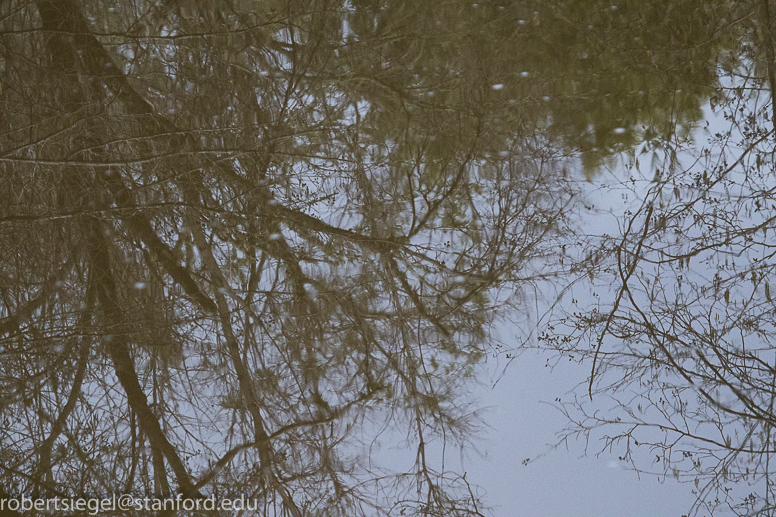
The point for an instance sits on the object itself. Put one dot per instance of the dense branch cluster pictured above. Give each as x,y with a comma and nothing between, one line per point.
224,271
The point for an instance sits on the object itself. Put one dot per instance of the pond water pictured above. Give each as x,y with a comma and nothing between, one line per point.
290,250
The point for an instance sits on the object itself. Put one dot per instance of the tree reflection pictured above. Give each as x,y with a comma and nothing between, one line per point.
682,348
241,240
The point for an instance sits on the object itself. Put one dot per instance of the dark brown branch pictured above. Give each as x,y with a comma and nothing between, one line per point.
44,467
117,348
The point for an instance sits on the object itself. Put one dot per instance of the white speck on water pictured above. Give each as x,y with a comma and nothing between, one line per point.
511,101
524,74
503,154
521,22
430,94
619,130
275,237
498,86
140,285
475,5
590,27
432,138
614,8
546,98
